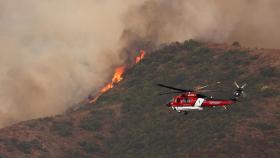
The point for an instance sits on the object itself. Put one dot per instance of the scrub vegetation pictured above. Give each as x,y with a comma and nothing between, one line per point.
132,121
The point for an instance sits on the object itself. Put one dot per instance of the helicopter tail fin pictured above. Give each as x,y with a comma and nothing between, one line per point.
239,91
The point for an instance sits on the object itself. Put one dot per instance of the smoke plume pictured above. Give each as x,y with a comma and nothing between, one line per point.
54,53
251,22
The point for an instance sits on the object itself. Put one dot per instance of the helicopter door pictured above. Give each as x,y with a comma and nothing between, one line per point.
199,102
184,101
178,101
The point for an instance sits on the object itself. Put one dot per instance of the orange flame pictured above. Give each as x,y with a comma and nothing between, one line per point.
116,79
119,72
140,57
118,76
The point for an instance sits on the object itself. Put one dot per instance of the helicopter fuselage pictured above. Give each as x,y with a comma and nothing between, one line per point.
192,101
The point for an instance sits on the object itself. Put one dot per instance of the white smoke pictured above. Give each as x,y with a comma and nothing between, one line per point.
53,53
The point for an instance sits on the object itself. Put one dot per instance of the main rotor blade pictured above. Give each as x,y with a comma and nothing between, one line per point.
200,87
235,83
177,89
168,93
205,91
197,88
244,85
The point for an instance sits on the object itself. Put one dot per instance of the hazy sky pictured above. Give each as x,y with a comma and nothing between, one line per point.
55,52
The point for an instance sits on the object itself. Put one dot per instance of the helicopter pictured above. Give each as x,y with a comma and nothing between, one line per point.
194,100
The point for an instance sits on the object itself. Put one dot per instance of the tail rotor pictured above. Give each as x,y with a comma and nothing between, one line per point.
239,91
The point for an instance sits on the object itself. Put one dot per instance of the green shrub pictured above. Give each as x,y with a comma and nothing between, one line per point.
90,124
64,129
236,44
277,115
23,146
75,154
270,93
264,126
96,118
191,44
236,58
89,147
269,72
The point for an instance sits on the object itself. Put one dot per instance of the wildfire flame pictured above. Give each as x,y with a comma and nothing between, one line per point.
140,57
119,71
116,79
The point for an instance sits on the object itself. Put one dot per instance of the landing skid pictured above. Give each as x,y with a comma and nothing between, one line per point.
185,112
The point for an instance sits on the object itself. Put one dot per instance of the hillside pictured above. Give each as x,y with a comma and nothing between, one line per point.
132,121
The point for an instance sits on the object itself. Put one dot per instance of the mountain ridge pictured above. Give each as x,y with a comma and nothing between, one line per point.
131,120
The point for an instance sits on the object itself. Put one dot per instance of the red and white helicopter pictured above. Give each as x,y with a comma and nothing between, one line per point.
192,99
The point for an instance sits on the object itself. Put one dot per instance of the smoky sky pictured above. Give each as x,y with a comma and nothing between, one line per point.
253,23
54,53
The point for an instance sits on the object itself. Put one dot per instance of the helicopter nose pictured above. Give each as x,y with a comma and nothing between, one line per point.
168,104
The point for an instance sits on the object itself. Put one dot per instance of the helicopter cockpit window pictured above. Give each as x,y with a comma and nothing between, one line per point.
184,100
178,100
